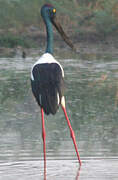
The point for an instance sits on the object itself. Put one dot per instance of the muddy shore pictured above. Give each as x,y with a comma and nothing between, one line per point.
84,43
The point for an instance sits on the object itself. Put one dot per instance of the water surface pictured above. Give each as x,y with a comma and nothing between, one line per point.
92,105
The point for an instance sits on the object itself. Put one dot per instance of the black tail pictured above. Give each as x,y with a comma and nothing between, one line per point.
47,86
49,100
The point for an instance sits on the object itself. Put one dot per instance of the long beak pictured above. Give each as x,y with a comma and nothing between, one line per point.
63,34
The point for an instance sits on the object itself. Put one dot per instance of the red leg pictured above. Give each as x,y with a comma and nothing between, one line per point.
72,133
43,136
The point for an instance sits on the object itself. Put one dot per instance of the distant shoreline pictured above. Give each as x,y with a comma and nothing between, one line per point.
88,41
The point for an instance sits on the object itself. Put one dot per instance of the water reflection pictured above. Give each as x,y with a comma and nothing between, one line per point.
92,98
78,173
77,177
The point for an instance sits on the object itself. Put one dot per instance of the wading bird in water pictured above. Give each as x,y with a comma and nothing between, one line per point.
47,76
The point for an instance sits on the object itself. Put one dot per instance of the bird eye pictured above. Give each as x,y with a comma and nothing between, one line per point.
54,10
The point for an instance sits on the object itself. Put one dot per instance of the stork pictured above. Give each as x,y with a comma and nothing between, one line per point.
47,76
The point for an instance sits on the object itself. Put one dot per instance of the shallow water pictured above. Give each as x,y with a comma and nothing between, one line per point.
92,105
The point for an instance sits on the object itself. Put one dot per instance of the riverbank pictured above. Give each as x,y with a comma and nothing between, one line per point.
33,43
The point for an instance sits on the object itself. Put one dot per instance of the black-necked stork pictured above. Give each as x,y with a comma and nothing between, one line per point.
47,76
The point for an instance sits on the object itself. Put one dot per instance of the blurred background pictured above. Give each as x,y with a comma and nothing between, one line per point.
83,20
91,78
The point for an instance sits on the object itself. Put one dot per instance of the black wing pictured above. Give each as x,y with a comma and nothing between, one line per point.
48,86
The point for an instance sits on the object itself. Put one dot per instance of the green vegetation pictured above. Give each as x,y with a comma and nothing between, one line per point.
11,41
18,17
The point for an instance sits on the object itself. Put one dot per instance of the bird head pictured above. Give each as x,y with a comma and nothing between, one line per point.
49,12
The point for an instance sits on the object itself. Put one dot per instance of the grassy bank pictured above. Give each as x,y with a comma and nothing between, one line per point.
21,23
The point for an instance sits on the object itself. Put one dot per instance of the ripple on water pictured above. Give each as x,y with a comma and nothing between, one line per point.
92,168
